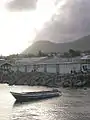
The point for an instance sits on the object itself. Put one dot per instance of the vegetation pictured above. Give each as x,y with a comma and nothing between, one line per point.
40,53
81,44
71,53
74,53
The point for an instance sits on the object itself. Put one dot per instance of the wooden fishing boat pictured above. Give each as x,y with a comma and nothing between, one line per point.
27,96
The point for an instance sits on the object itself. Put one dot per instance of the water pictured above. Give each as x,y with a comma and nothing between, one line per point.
6,103
72,105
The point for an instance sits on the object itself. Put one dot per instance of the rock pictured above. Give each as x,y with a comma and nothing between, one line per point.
45,79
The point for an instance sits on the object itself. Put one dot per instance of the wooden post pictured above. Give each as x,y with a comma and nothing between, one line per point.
57,68
45,67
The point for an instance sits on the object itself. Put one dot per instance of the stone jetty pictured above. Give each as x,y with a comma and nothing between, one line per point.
46,79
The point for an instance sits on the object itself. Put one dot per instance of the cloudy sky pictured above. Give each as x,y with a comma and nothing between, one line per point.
20,21
24,21
72,21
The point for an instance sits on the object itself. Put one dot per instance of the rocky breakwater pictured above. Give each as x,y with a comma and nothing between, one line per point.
37,78
46,79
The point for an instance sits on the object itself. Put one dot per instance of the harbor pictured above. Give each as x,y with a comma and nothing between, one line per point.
46,72
74,104
44,60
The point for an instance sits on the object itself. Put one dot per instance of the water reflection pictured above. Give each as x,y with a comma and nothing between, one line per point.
6,102
17,103
72,105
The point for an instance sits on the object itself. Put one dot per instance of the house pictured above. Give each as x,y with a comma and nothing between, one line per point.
5,65
85,60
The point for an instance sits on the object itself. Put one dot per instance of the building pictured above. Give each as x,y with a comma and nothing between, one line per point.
5,65
85,61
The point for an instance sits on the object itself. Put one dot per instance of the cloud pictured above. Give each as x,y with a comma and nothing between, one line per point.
71,22
21,5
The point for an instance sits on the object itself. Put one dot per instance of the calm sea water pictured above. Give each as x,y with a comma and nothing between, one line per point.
72,105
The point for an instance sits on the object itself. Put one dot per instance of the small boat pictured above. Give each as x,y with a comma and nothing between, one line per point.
27,96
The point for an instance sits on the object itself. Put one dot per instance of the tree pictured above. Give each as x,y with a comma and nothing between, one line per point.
71,52
40,53
77,53
74,53
66,54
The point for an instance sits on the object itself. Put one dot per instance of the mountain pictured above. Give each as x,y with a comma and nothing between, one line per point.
47,46
71,21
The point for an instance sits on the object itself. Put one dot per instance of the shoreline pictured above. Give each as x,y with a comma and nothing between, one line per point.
46,79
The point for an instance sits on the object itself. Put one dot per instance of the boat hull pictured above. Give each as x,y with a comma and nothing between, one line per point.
24,97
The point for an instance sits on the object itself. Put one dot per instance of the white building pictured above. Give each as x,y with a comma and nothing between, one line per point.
85,60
